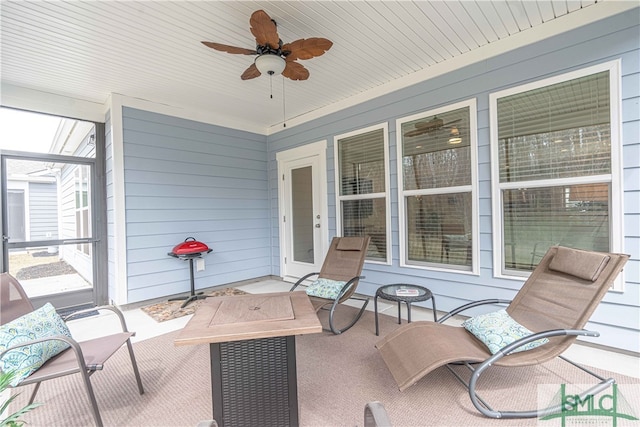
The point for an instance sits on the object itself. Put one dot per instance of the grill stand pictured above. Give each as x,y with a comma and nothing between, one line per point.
193,296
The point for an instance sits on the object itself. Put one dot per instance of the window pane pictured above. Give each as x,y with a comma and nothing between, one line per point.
576,216
302,212
367,218
78,191
439,229
85,186
436,151
558,131
361,160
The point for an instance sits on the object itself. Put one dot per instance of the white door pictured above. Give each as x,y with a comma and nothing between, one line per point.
303,210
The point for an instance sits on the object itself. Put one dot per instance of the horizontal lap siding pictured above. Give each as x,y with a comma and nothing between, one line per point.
43,211
189,179
613,38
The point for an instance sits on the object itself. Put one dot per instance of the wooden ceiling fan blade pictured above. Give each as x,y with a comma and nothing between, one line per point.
415,132
264,29
295,71
430,125
306,48
229,49
452,122
250,73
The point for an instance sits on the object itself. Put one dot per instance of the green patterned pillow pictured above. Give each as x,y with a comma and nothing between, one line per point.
498,329
41,323
325,288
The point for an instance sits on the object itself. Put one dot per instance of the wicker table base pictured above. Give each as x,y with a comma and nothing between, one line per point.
253,382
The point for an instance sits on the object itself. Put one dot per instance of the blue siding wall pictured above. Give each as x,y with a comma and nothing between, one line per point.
618,318
43,211
189,179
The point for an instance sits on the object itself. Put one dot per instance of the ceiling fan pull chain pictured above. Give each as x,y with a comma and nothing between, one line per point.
271,85
284,115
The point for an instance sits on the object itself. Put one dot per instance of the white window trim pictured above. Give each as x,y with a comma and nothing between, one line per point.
615,178
336,167
475,233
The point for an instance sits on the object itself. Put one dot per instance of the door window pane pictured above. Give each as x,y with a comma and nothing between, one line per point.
302,212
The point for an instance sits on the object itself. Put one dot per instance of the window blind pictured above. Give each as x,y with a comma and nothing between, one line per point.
361,163
558,131
576,216
577,103
552,133
439,229
361,173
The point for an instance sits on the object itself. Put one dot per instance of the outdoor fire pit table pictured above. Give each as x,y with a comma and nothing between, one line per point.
253,355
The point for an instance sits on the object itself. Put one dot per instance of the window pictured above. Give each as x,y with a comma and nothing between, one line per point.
362,188
437,187
557,178
83,225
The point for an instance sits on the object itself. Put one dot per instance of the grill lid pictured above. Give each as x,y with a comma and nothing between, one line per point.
190,246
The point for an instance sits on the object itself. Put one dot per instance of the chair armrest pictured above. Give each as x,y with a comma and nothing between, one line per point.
302,279
544,334
74,345
111,308
472,304
347,286
64,338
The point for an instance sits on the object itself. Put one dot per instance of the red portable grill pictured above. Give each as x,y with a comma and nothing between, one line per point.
190,246
190,249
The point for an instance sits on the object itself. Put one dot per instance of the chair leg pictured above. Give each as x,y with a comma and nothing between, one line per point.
135,366
92,398
33,393
358,316
488,411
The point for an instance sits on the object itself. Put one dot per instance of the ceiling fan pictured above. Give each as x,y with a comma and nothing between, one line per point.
433,125
274,57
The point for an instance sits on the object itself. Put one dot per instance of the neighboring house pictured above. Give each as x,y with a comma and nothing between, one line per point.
49,201
32,201
169,177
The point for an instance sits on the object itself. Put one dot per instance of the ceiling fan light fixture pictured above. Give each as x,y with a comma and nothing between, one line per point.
270,64
454,136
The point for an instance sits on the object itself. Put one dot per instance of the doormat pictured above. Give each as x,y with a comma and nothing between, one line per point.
64,312
171,309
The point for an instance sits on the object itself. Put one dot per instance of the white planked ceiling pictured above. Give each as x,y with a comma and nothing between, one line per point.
151,50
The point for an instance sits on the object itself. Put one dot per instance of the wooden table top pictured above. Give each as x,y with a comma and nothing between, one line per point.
253,316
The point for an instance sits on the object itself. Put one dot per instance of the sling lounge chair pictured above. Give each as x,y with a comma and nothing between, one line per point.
338,278
554,303
84,358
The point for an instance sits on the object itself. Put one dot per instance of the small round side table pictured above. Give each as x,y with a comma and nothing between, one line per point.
403,293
